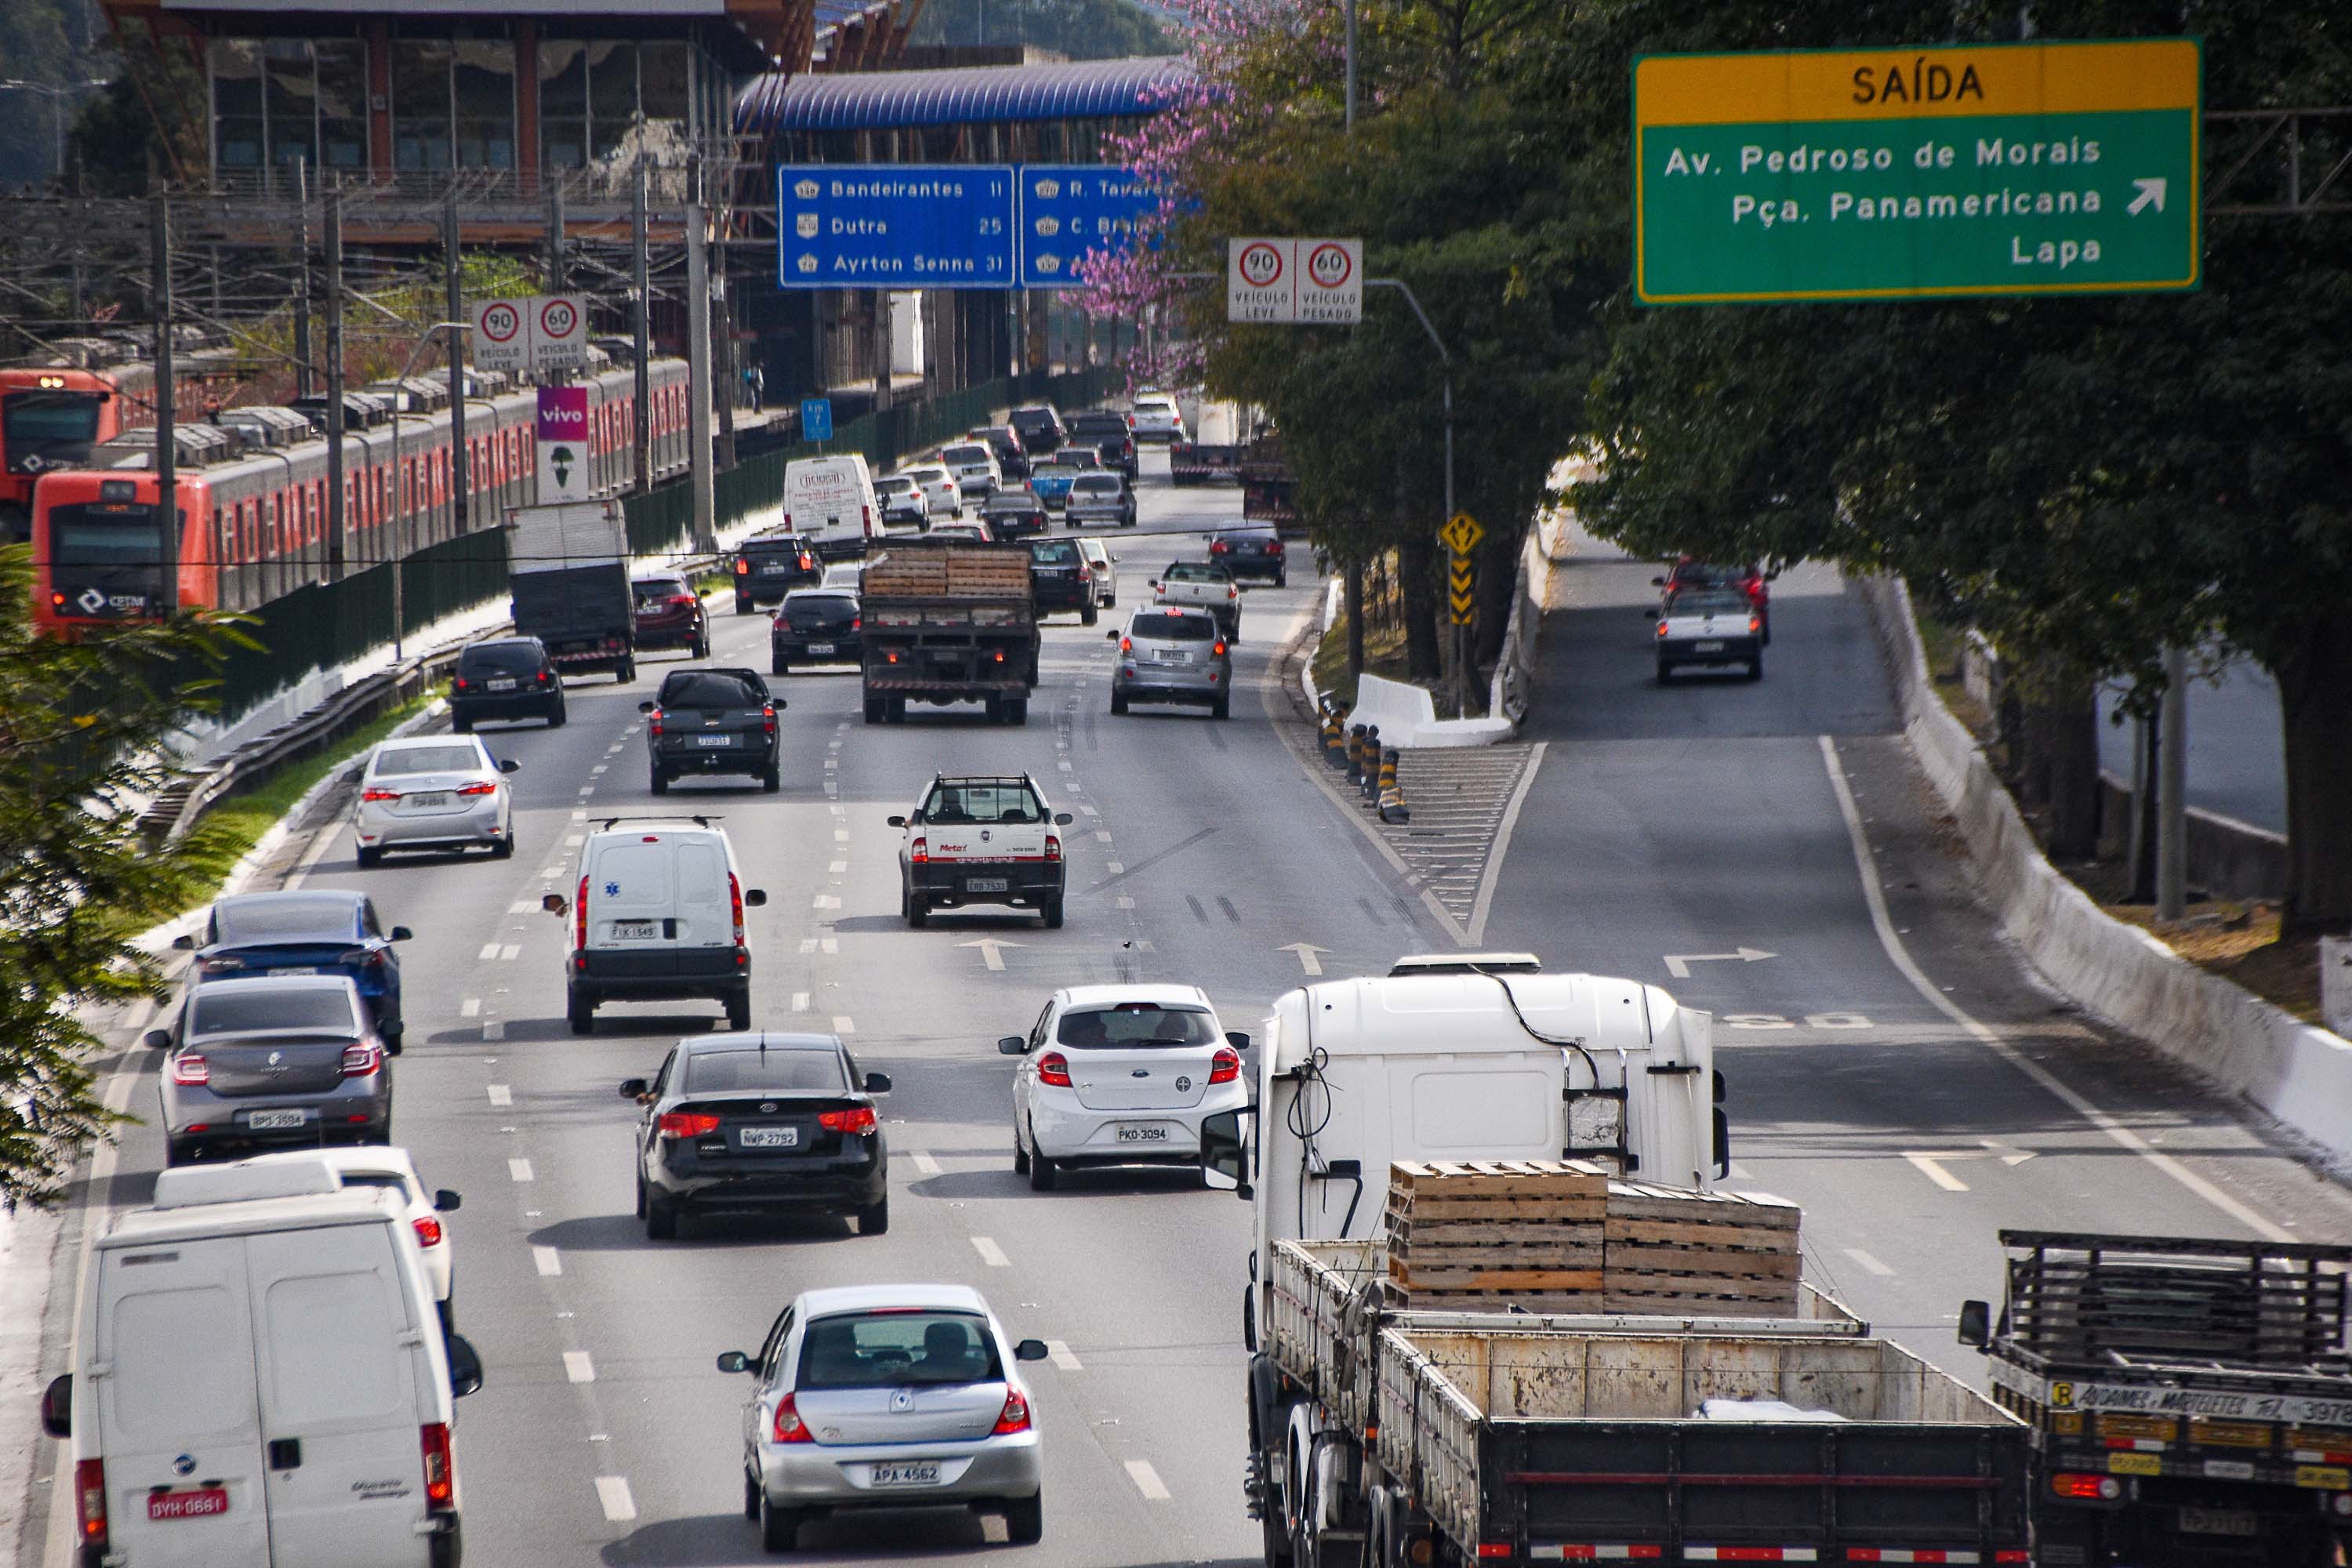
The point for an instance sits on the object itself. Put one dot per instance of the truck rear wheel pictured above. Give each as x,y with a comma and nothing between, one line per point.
658,781
624,672
873,710
1016,709
895,709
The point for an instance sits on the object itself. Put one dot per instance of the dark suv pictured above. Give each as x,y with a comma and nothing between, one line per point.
670,615
1112,438
712,721
816,626
505,678
1011,462
1060,578
1039,426
768,566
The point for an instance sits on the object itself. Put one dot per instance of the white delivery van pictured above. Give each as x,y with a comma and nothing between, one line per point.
831,501
657,917
260,1380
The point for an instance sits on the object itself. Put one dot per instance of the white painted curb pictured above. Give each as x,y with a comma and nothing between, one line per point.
2299,1074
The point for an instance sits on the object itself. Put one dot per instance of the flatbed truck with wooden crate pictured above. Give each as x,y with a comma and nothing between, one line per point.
2191,1401
1444,1368
949,622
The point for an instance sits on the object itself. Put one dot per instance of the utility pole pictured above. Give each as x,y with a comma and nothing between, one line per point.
881,349
167,475
555,265
641,305
460,454
1446,364
304,383
1351,65
722,359
334,241
697,361
2172,783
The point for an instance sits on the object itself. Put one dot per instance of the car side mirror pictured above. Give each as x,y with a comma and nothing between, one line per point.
1224,1154
157,1039
644,707
185,942
896,821
1063,819
402,933
1722,1141
780,702
1012,1044
1237,1038
556,904
1151,582
755,897
509,766
633,1088
448,1200
1976,1324
57,1406
464,1367
1657,582
1031,1350
734,1361
877,1083
1112,634
1651,614
702,593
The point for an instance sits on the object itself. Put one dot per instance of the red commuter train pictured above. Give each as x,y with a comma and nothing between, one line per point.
253,520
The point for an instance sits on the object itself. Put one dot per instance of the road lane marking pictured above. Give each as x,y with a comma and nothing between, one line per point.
1309,955
824,902
545,1259
509,952
599,768
1147,1480
470,1008
1929,1163
990,1253
1868,1262
925,1163
808,944
1114,867
830,944
838,867
800,1001
841,1025
523,907
578,1367
488,955
501,1094
494,1030
1126,903
1062,1355
1101,837
991,949
1900,956
1679,963
613,1491
519,1170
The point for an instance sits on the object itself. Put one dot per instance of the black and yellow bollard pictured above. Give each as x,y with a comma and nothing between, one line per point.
1355,754
1371,782
1335,734
1392,805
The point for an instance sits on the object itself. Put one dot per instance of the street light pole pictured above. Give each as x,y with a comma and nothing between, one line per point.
397,549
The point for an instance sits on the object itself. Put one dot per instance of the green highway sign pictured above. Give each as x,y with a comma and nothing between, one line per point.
2058,168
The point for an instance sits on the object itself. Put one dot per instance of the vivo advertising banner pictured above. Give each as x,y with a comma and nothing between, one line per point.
563,445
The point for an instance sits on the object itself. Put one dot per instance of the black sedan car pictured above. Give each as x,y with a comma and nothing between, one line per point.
1251,552
272,1062
315,930
763,1123
1013,513
505,677
816,626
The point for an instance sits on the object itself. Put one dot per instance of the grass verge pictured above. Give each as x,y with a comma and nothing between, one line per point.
1384,655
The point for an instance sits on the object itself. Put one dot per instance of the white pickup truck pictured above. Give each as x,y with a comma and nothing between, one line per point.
982,841
1203,585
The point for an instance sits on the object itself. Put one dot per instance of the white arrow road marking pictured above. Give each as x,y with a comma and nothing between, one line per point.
2151,193
1307,952
2008,1156
991,949
1679,963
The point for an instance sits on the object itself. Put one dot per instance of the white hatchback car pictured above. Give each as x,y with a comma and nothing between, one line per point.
941,491
434,792
379,1166
889,1396
1156,418
1120,1075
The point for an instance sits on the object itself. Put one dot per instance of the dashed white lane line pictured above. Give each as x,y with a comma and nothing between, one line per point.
1114,867
599,768
829,945
1062,1357
519,1170
841,836
488,955
494,1030
990,1253
925,1163
509,952
800,1001
501,1094
613,1491
808,944
841,1025
1088,811
1147,1480
470,1008
824,902
546,1260
578,1367
838,867
1127,903
1869,1263
523,907
1101,837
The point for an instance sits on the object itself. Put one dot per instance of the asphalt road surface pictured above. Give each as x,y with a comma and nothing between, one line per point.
1663,829
2237,759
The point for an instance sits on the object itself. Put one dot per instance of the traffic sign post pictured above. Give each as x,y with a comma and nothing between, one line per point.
2056,168
1284,281
913,225
537,334
816,419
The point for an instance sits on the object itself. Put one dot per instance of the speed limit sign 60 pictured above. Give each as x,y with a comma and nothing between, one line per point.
1331,280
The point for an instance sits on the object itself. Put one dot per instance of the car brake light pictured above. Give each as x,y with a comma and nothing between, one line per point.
481,787
1054,1069
1232,591
1225,1067
362,1060
855,1120
856,623
1755,623
90,1501
866,515
380,795
190,1069
1218,648
440,1480
689,1123
1014,1417
768,719
545,676
654,722
1053,847
741,566
428,1230
788,1427
1274,547
458,684
1662,625
920,851
1219,547
1084,575
735,899
1127,645
2090,1489
808,562
580,918
684,601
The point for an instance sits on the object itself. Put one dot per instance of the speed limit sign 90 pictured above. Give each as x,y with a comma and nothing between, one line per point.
501,335
1319,280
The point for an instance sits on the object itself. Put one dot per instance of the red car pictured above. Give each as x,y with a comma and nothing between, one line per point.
1690,571
670,615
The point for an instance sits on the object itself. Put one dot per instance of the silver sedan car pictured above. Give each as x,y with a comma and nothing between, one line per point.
434,792
1168,654
889,1396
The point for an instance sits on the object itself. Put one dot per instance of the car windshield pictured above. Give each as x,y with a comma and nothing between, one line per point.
1096,484
1011,501
896,1348
958,803
1172,629
242,1012
927,476
271,920
820,599
509,658
1131,1025
895,485
1053,552
790,1071
648,586
965,455
766,549
1197,572
409,760
1709,602
708,689
1060,465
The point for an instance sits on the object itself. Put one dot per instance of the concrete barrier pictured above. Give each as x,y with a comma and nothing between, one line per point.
1407,717
2299,1074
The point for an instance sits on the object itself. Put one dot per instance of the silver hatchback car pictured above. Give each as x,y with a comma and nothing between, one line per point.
889,1396
1168,654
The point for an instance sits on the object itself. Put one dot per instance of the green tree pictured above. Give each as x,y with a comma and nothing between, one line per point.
1082,29
82,728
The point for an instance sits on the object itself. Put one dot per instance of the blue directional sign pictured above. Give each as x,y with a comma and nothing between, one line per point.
1068,209
897,225
816,419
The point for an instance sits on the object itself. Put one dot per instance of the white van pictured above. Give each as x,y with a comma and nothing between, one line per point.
260,1380
831,501
657,916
